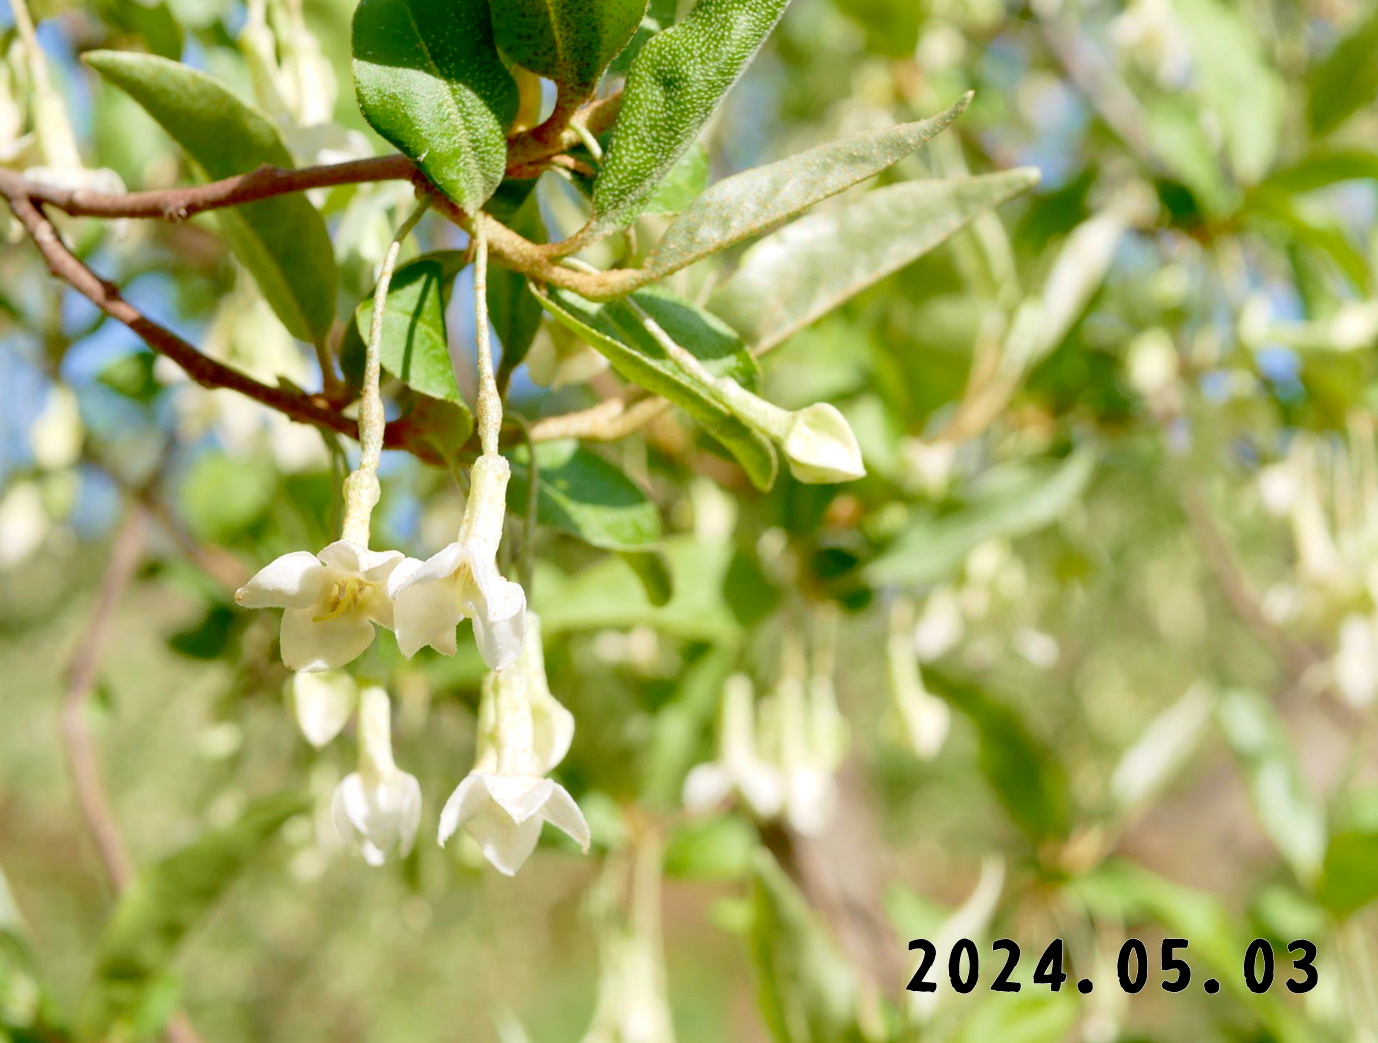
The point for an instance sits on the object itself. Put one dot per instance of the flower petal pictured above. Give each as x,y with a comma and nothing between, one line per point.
466,802
312,644
440,565
552,728
498,609
322,703
349,808
506,844
408,812
425,614
562,812
521,796
292,581
348,556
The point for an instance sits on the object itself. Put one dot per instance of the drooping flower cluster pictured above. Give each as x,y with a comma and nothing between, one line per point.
524,733
779,754
333,601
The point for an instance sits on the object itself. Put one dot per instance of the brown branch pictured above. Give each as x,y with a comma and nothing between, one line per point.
92,801
81,682
178,204
206,371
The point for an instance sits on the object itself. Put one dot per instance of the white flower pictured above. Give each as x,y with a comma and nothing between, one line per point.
322,703
523,733
739,766
820,447
504,814
462,581
332,601
377,807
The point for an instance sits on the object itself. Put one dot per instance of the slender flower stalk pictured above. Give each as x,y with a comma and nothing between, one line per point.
333,600
462,580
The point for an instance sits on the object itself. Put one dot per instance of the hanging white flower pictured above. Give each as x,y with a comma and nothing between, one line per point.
523,733
740,767
378,807
322,703
462,581
331,601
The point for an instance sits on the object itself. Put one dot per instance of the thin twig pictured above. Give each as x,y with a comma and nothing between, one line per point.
92,802
206,371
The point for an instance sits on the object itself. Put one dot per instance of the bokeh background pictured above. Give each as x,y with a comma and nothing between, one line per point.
1121,522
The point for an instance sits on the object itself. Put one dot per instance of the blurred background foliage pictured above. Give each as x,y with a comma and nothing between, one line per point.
1121,524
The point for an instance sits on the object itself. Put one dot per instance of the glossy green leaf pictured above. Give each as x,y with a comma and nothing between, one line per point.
686,179
415,346
569,41
1007,501
1288,812
282,241
443,425
429,79
1349,879
1024,771
675,85
163,904
616,331
584,495
812,266
1346,80
759,199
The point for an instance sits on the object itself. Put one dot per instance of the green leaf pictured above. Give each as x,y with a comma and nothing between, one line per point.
1237,82
1349,879
609,596
686,179
1130,894
806,989
584,495
429,79
719,848
616,331
1288,812
675,85
653,572
569,41
1323,168
1007,501
163,904
1346,80
282,241
513,310
760,199
220,497
415,345
812,266
1024,772
444,426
